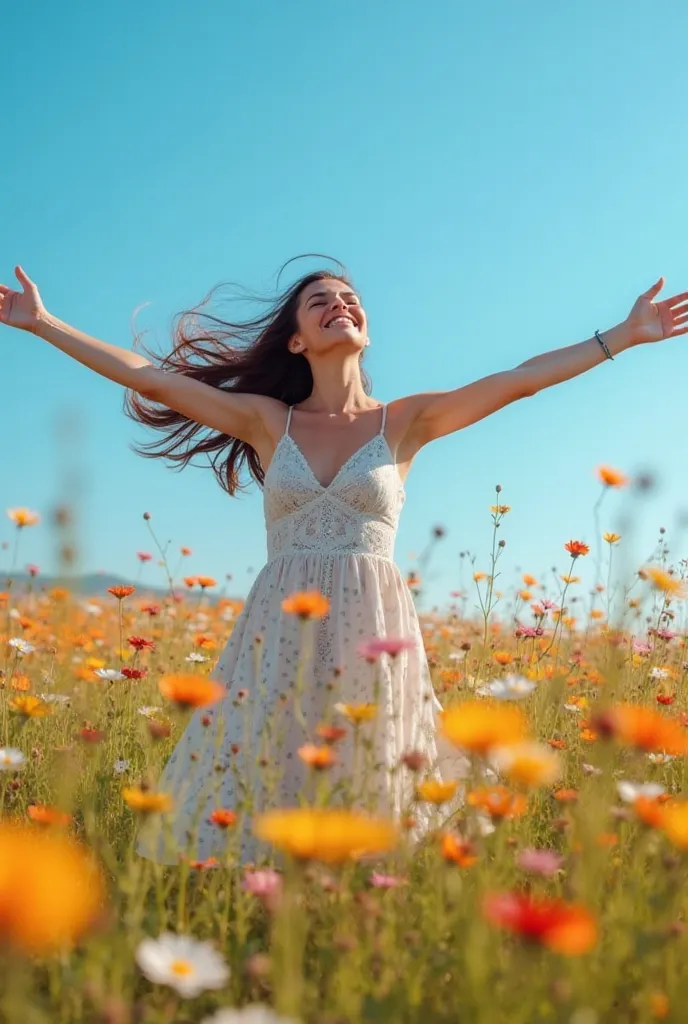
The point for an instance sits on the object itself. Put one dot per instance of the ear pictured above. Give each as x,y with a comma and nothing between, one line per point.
295,345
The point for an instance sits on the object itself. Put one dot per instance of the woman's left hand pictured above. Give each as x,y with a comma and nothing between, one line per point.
654,321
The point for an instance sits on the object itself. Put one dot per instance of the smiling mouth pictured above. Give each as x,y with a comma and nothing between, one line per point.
340,321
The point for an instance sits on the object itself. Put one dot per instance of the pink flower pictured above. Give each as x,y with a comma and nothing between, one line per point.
32,570
372,649
640,648
265,885
539,862
381,881
143,556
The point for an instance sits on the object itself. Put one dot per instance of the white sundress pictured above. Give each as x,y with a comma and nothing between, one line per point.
284,675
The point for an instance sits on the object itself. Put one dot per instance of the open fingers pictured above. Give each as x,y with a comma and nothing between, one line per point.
675,300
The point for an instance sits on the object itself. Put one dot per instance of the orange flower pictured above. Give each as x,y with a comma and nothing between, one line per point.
576,548
525,595
611,477
644,728
566,796
675,823
435,792
566,928
190,581
223,818
317,757
503,657
498,801
611,538
121,592
649,810
43,815
479,725
557,744
146,801
20,683
529,580
51,890
206,581
457,850
185,551
190,690
307,604
478,576
330,733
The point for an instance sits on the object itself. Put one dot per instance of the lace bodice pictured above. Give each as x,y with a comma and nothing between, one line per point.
357,513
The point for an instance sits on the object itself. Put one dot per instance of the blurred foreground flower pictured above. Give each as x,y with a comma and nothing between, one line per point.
186,965
479,725
642,727
331,836
528,764
664,581
256,1013
540,862
51,889
435,792
192,691
498,801
565,928
147,801
611,477
307,604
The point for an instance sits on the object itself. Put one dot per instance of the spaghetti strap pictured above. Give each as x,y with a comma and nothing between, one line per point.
384,419
291,409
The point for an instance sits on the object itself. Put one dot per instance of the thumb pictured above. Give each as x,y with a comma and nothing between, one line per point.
24,279
654,289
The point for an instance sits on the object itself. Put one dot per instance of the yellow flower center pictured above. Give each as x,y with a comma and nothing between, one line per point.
181,967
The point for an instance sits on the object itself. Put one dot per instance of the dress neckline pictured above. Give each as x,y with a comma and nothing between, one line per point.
326,487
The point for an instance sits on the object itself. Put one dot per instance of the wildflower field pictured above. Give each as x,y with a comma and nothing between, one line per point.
555,893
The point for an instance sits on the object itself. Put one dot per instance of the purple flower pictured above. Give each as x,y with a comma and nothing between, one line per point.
539,862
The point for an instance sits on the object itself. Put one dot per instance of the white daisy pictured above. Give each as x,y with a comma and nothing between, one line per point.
510,688
120,767
659,673
10,758
256,1013
111,674
574,708
591,769
196,657
149,711
630,791
54,698
661,758
186,965
21,646
92,609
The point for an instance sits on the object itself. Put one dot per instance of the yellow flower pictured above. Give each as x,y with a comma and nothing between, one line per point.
147,801
675,822
330,836
357,713
29,707
478,576
436,792
571,579
528,764
51,889
23,517
500,510
479,725
611,538
664,581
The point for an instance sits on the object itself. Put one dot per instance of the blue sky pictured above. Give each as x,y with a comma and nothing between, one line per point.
500,178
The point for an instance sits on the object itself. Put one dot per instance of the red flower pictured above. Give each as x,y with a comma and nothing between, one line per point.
666,698
143,556
566,928
134,673
576,548
120,592
151,609
139,643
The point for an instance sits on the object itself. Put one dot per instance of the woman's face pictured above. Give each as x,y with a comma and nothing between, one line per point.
329,315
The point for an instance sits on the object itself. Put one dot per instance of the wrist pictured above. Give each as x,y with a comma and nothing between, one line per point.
41,323
619,338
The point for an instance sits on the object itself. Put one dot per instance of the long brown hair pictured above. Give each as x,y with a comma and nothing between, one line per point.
247,356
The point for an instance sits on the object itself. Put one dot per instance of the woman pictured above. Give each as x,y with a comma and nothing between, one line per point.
288,398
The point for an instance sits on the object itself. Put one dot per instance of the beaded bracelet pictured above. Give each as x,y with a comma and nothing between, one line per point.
605,347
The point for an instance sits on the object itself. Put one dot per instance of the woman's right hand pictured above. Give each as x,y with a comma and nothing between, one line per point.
21,309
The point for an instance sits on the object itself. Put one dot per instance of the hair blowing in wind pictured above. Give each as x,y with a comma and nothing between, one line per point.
244,356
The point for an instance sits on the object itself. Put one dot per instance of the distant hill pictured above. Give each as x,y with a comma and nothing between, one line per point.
95,584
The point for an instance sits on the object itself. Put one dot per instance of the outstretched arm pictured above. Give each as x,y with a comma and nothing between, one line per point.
443,412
